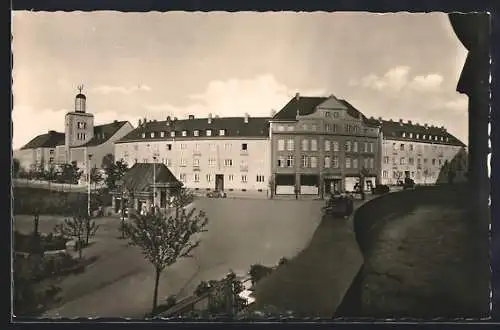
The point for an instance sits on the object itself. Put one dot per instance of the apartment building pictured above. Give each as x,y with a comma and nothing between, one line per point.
230,154
420,152
322,144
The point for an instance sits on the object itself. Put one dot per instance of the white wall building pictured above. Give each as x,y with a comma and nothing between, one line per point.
230,154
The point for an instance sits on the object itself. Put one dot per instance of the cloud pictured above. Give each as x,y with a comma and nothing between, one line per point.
42,120
398,79
106,89
234,97
458,104
430,82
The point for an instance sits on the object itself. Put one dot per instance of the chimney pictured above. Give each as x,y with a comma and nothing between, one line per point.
401,121
246,118
425,125
210,118
191,117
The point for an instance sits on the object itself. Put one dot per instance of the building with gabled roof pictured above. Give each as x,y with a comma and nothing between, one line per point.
320,145
212,153
80,139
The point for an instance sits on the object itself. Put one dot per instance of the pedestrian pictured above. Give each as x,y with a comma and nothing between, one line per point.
296,193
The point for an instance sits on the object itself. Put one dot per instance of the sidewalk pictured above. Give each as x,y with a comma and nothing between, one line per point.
314,283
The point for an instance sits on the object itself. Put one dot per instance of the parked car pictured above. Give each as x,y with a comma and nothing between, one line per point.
408,184
216,194
339,206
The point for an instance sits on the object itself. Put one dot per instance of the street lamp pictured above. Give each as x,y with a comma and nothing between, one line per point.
154,183
88,183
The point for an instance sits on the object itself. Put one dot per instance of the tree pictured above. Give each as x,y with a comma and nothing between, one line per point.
115,172
16,166
425,174
75,227
50,174
257,272
165,238
271,186
108,160
95,177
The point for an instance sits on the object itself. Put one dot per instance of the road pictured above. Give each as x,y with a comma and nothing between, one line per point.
240,233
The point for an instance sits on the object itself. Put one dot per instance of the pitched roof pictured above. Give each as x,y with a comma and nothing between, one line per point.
139,177
47,140
306,106
103,133
395,129
353,112
232,126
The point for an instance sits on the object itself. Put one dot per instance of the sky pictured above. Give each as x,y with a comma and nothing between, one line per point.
135,65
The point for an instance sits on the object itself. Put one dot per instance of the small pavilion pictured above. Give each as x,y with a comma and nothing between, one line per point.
134,193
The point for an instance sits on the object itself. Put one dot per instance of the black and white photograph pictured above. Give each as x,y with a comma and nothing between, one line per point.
250,165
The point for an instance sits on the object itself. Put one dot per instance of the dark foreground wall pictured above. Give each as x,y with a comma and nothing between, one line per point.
425,256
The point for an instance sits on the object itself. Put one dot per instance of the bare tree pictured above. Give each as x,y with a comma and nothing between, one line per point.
165,238
74,227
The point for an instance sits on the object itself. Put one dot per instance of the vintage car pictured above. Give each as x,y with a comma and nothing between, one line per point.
216,194
408,184
339,206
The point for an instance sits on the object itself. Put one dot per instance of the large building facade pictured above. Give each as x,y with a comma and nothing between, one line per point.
230,154
421,152
323,144
80,140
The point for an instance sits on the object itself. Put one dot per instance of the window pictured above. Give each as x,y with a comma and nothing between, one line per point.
433,161
182,177
244,146
183,162
281,145
419,161
335,162
143,135
394,147
281,162
289,161
211,161
196,177
196,162
230,177
366,147
212,146
354,163
411,161
394,161
371,147
162,134
355,146
385,174
196,132
314,162
328,127
335,114
348,163
305,127
348,146
403,134
183,146
169,146
402,147
402,161
411,147
417,136
260,178
222,132
327,114
51,151
435,138
227,146
314,145
335,146
290,145
328,162
327,145
208,177
386,160
244,178
425,160
172,134
184,133
209,132
440,162
305,145
366,162
51,159
305,161
372,163
314,127
243,165
228,162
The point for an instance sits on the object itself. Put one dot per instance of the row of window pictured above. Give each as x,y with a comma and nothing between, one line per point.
332,128
208,132
312,145
81,136
211,146
411,161
428,137
196,162
328,162
183,177
81,125
399,175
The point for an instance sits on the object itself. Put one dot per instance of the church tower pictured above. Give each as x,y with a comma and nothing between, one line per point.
79,125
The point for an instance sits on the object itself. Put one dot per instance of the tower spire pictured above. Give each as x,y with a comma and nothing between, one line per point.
80,88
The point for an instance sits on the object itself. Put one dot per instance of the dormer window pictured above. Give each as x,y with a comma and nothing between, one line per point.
327,114
430,137
442,138
418,136
184,133
411,135
172,134
423,137
447,139
196,133
152,134
222,132
209,132
403,134
435,138
143,135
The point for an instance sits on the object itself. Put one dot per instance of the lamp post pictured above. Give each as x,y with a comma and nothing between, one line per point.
88,183
154,183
